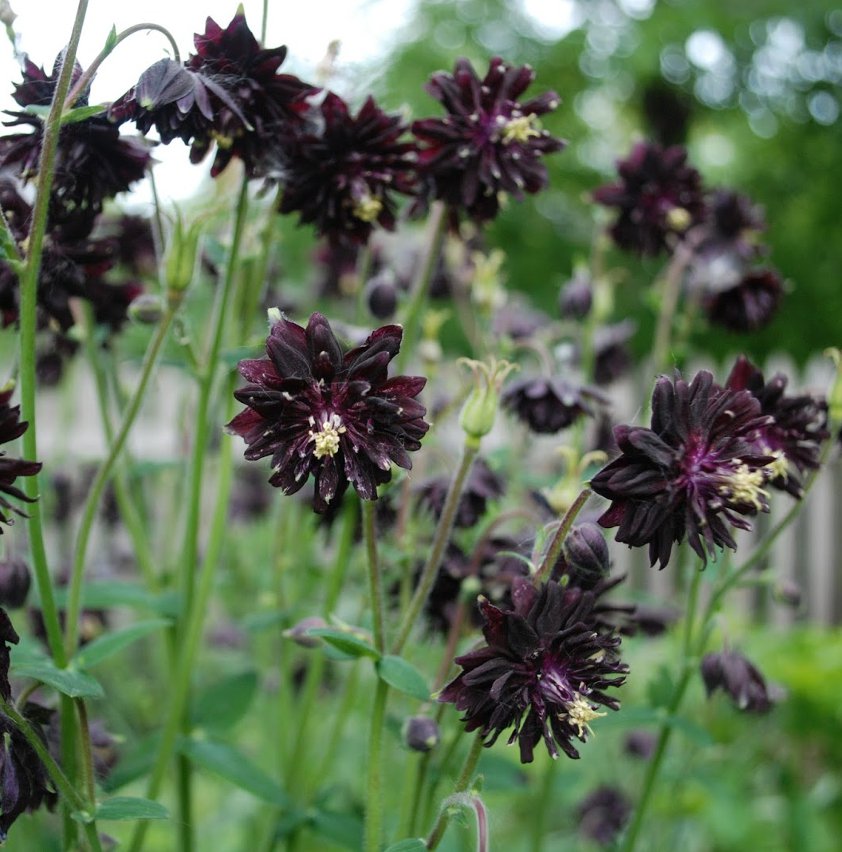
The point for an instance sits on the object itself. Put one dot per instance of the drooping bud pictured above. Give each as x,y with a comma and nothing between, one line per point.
576,296
733,673
480,409
146,309
421,733
15,581
381,295
586,552
299,633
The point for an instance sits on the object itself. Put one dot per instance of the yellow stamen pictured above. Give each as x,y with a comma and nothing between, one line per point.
520,129
327,439
368,209
744,485
580,713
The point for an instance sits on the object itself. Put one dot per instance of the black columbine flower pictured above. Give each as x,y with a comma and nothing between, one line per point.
318,410
749,304
603,814
93,162
549,403
731,672
489,142
658,198
799,427
482,485
543,671
228,92
11,427
342,177
696,470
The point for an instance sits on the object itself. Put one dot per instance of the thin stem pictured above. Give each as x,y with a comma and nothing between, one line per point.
84,80
554,550
421,284
375,581
539,822
74,597
669,304
653,769
461,785
87,763
374,796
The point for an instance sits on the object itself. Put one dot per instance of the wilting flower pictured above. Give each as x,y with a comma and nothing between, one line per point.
228,92
603,814
549,403
482,485
342,177
799,425
543,671
489,142
318,410
12,427
658,197
93,161
696,470
734,674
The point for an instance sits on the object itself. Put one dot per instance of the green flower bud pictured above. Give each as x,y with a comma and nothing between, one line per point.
181,256
146,309
480,409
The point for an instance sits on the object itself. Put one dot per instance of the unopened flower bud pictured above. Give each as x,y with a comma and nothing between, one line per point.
787,592
734,674
480,409
586,553
381,295
576,297
421,733
15,581
147,309
299,633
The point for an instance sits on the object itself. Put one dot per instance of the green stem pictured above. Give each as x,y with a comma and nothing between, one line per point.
461,785
202,424
182,677
74,597
421,284
554,550
539,822
374,796
653,769
84,81
669,304
375,581
440,540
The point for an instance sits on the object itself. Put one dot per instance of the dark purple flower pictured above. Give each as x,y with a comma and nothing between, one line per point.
15,580
586,555
11,427
228,92
421,733
549,403
342,177
482,485
543,671
696,470
576,297
488,143
658,198
799,427
318,410
603,814
612,356
640,743
749,304
93,161
731,672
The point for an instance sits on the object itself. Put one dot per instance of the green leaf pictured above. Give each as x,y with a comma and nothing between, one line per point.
222,704
111,41
112,643
346,642
105,594
412,844
234,767
131,807
39,110
81,113
342,829
67,681
403,676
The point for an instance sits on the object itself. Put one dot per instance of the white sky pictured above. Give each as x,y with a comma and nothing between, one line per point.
364,28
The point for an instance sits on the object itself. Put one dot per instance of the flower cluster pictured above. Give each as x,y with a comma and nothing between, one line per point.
543,670
318,410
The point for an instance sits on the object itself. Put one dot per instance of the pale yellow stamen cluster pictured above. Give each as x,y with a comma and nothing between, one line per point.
520,129
368,209
326,440
745,485
679,219
780,465
580,713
